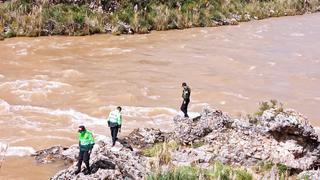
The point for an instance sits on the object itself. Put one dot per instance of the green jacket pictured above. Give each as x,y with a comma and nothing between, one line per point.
115,117
86,141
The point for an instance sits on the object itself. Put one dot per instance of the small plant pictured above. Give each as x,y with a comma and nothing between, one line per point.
180,173
161,155
242,174
222,171
263,167
305,177
283,171
272,104
158,148
264,106
198,144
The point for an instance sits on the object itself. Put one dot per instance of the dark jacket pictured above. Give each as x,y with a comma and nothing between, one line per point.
186,93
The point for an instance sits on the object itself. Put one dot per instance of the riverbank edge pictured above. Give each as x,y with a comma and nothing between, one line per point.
79,18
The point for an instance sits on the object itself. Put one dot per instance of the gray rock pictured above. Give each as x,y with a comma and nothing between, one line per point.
280,137
108,163
310,175
189,130
284,138
288,124
122,28
145,137
53,154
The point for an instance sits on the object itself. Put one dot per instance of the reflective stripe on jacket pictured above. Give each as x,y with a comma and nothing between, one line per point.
86,141
115,117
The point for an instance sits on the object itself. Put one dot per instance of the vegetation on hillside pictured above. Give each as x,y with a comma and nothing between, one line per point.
38,18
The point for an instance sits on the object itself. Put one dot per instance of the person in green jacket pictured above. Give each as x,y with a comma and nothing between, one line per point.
86,143
114,122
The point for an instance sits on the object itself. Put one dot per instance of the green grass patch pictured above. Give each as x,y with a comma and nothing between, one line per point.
263,167
159,148
216,171
283,171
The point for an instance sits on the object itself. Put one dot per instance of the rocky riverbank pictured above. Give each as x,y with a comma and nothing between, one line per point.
279,143
83,17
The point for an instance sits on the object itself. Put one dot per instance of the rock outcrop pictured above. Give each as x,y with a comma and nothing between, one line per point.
283,137
56,153
280,137
187,131
108,162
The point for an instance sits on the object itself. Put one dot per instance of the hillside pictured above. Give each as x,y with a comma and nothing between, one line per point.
83,17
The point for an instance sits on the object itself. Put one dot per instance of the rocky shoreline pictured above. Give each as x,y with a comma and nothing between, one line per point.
279,144
34,18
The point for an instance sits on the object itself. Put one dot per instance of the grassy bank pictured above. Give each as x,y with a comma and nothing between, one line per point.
161,167
40,18
216,171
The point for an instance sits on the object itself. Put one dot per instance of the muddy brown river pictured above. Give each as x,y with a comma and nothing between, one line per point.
50,85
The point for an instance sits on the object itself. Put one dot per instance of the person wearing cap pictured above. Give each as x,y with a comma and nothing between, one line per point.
186,99
114,122
86,143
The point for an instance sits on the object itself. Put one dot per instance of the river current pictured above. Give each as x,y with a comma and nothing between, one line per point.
50,85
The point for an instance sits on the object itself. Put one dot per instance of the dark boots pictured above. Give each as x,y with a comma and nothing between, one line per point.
86,171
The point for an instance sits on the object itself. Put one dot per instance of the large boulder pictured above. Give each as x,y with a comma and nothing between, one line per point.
187,131
288,124
145,137
56,153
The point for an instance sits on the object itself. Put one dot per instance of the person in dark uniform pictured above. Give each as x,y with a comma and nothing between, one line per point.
186,99
86,143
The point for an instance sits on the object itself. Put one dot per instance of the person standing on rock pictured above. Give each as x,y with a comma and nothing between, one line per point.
186,99
86,143
114,122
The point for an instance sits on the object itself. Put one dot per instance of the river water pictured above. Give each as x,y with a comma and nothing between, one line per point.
50,85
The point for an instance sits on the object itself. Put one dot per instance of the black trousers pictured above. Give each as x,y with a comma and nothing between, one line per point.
184,107
114,134
85,157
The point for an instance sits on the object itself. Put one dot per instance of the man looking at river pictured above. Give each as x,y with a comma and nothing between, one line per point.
186,99
114,122
86,143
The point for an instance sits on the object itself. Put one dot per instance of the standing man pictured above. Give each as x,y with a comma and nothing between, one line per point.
114,122
186,99
86,143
